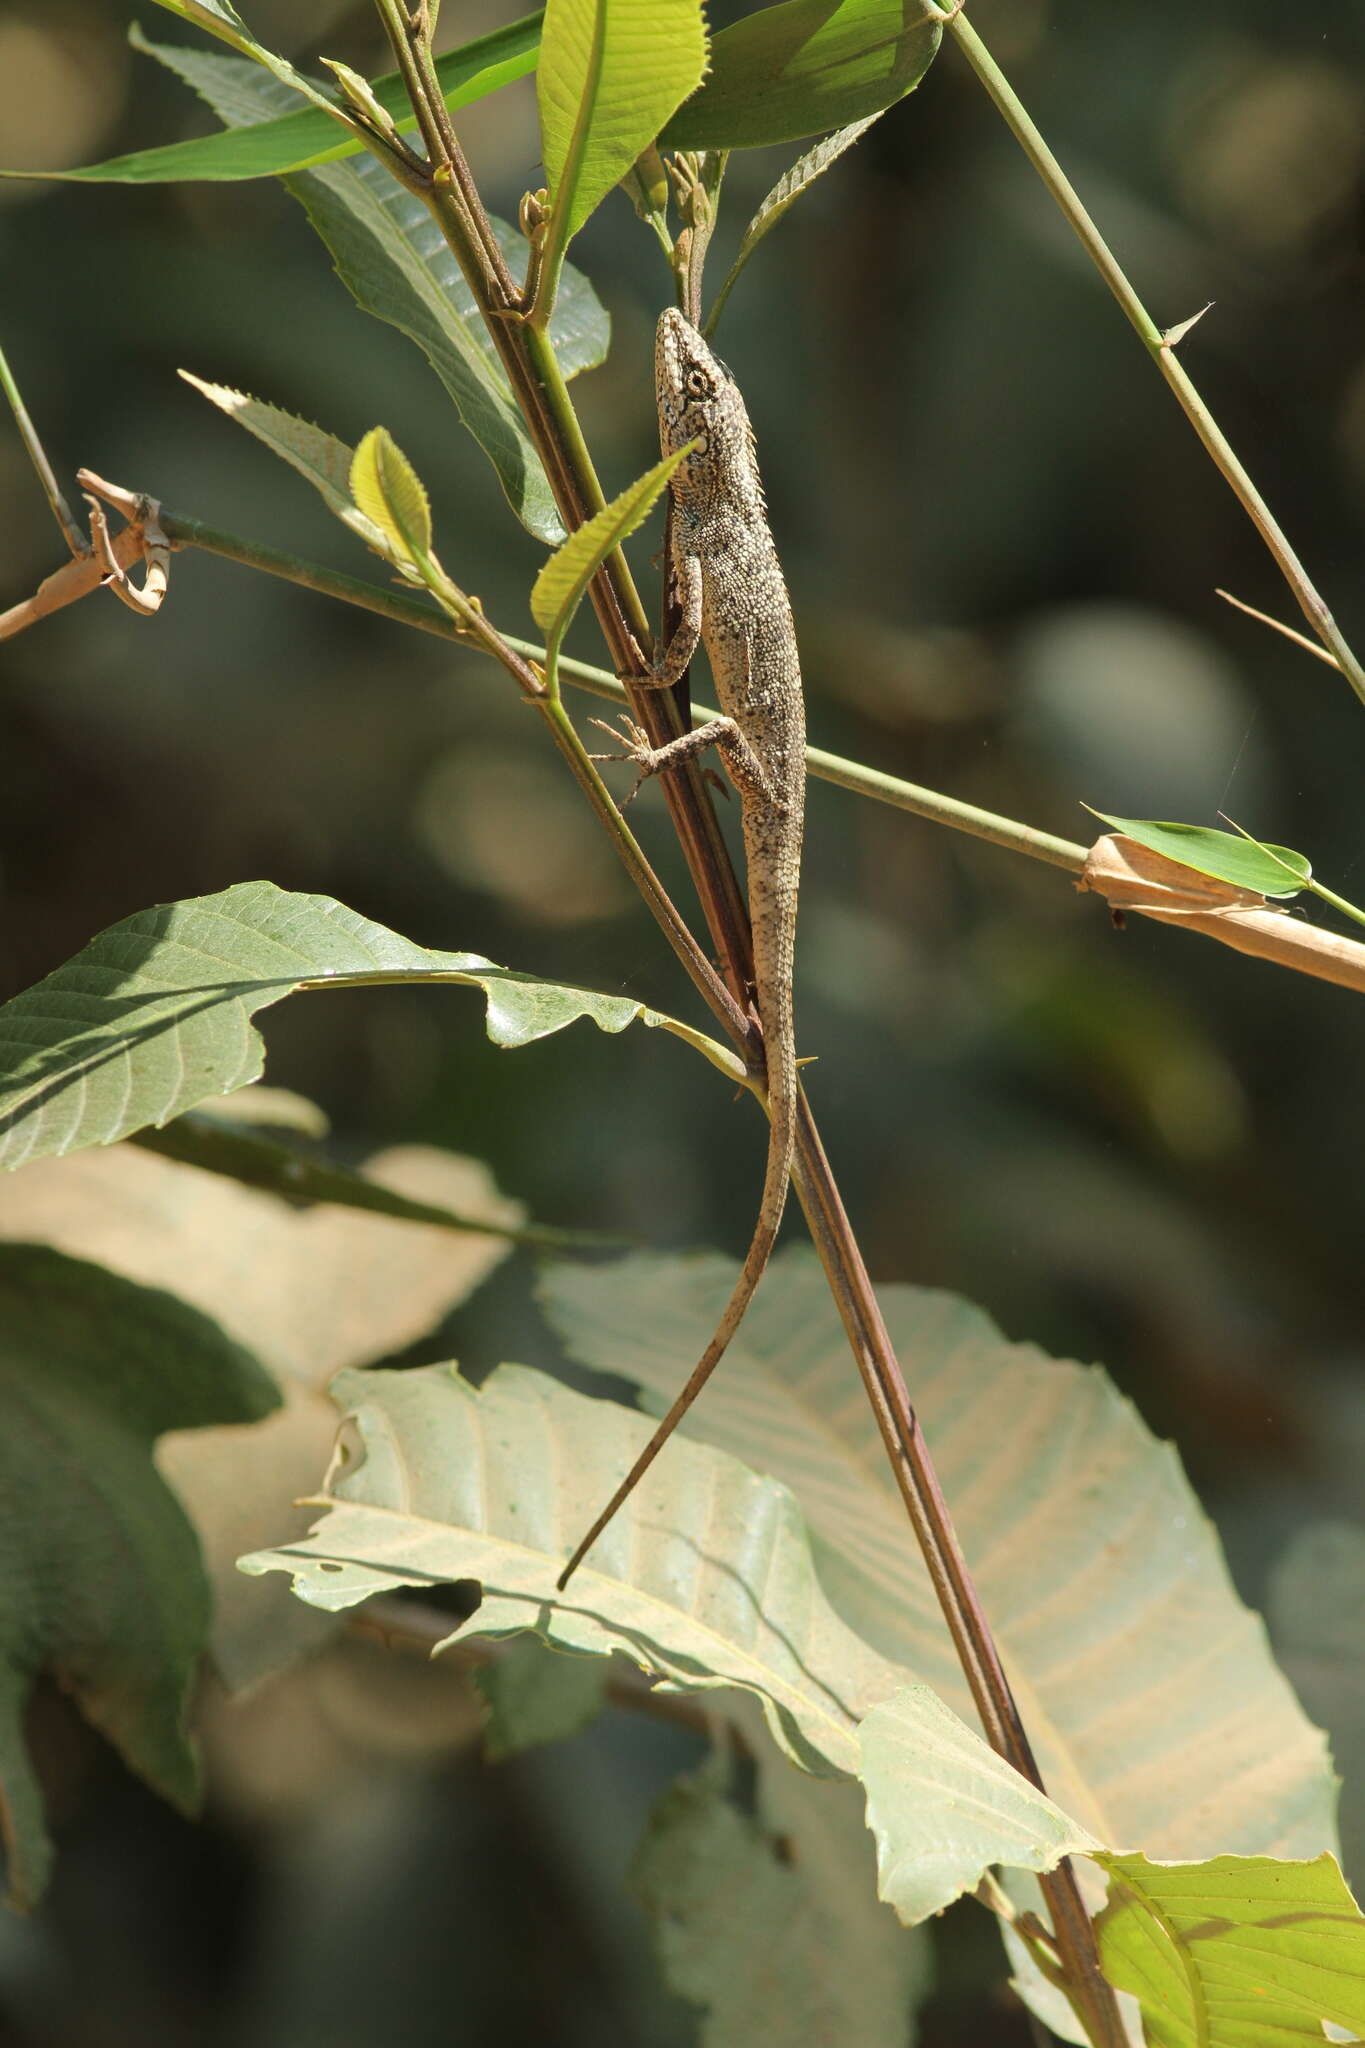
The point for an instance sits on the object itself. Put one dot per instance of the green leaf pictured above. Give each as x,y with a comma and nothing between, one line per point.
307,1294
783,196
1100,1572
1238,1952
218,18
768,1918
297,140
704,1578
803,67
317,455
387,489
536,1695
1244,863
610,74
153,1015
392,258
103,1589
916,1755
559,588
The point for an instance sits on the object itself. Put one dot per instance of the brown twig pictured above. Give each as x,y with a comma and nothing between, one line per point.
551,420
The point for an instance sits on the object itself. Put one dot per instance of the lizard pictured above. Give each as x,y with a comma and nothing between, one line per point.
732,597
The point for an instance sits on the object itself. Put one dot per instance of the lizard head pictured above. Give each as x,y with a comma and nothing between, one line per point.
698,401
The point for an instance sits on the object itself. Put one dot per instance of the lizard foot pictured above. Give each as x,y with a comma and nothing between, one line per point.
638,750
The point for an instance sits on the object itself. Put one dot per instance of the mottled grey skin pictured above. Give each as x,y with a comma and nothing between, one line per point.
730,588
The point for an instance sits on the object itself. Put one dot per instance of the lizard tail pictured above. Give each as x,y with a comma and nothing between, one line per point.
782,1101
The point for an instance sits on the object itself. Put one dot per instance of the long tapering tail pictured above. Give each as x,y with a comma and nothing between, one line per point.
782,1097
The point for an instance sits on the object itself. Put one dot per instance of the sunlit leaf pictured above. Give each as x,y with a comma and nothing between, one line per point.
154,1014
388,490
802,67
784,195
610,74
1244,863
103,1586
297,140
561,584
1238,1952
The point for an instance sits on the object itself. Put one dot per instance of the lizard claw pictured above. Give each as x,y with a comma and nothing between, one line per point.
636,740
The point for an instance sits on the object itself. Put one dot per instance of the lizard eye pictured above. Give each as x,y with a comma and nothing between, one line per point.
698,384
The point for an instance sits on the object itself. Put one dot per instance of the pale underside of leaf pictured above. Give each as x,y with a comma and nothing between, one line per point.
704,1579
1148,1689
155,1014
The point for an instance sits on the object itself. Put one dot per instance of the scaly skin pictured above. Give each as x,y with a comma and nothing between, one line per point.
733,597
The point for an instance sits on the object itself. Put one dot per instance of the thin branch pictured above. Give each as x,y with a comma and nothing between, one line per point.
37,455
1159,348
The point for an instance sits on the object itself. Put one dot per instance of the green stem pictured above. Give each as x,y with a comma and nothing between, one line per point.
1201,419
410,611
1350,910
28,434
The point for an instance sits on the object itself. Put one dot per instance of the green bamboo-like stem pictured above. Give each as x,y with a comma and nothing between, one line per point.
37,454
1008,833
1162,352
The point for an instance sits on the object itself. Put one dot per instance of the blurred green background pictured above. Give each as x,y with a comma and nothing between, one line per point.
1003,543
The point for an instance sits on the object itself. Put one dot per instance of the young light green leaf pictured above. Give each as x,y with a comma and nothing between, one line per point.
1090,1550
784,195
361,95
104,1588
387,490
1238,1952
610,74
536,1695
391,256
154,1015
1244,863
297,140
803,67
559,588
317,455
918,1759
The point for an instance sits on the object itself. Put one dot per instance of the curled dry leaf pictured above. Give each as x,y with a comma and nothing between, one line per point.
1132,877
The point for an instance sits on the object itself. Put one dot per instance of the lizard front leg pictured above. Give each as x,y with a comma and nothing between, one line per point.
746,770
